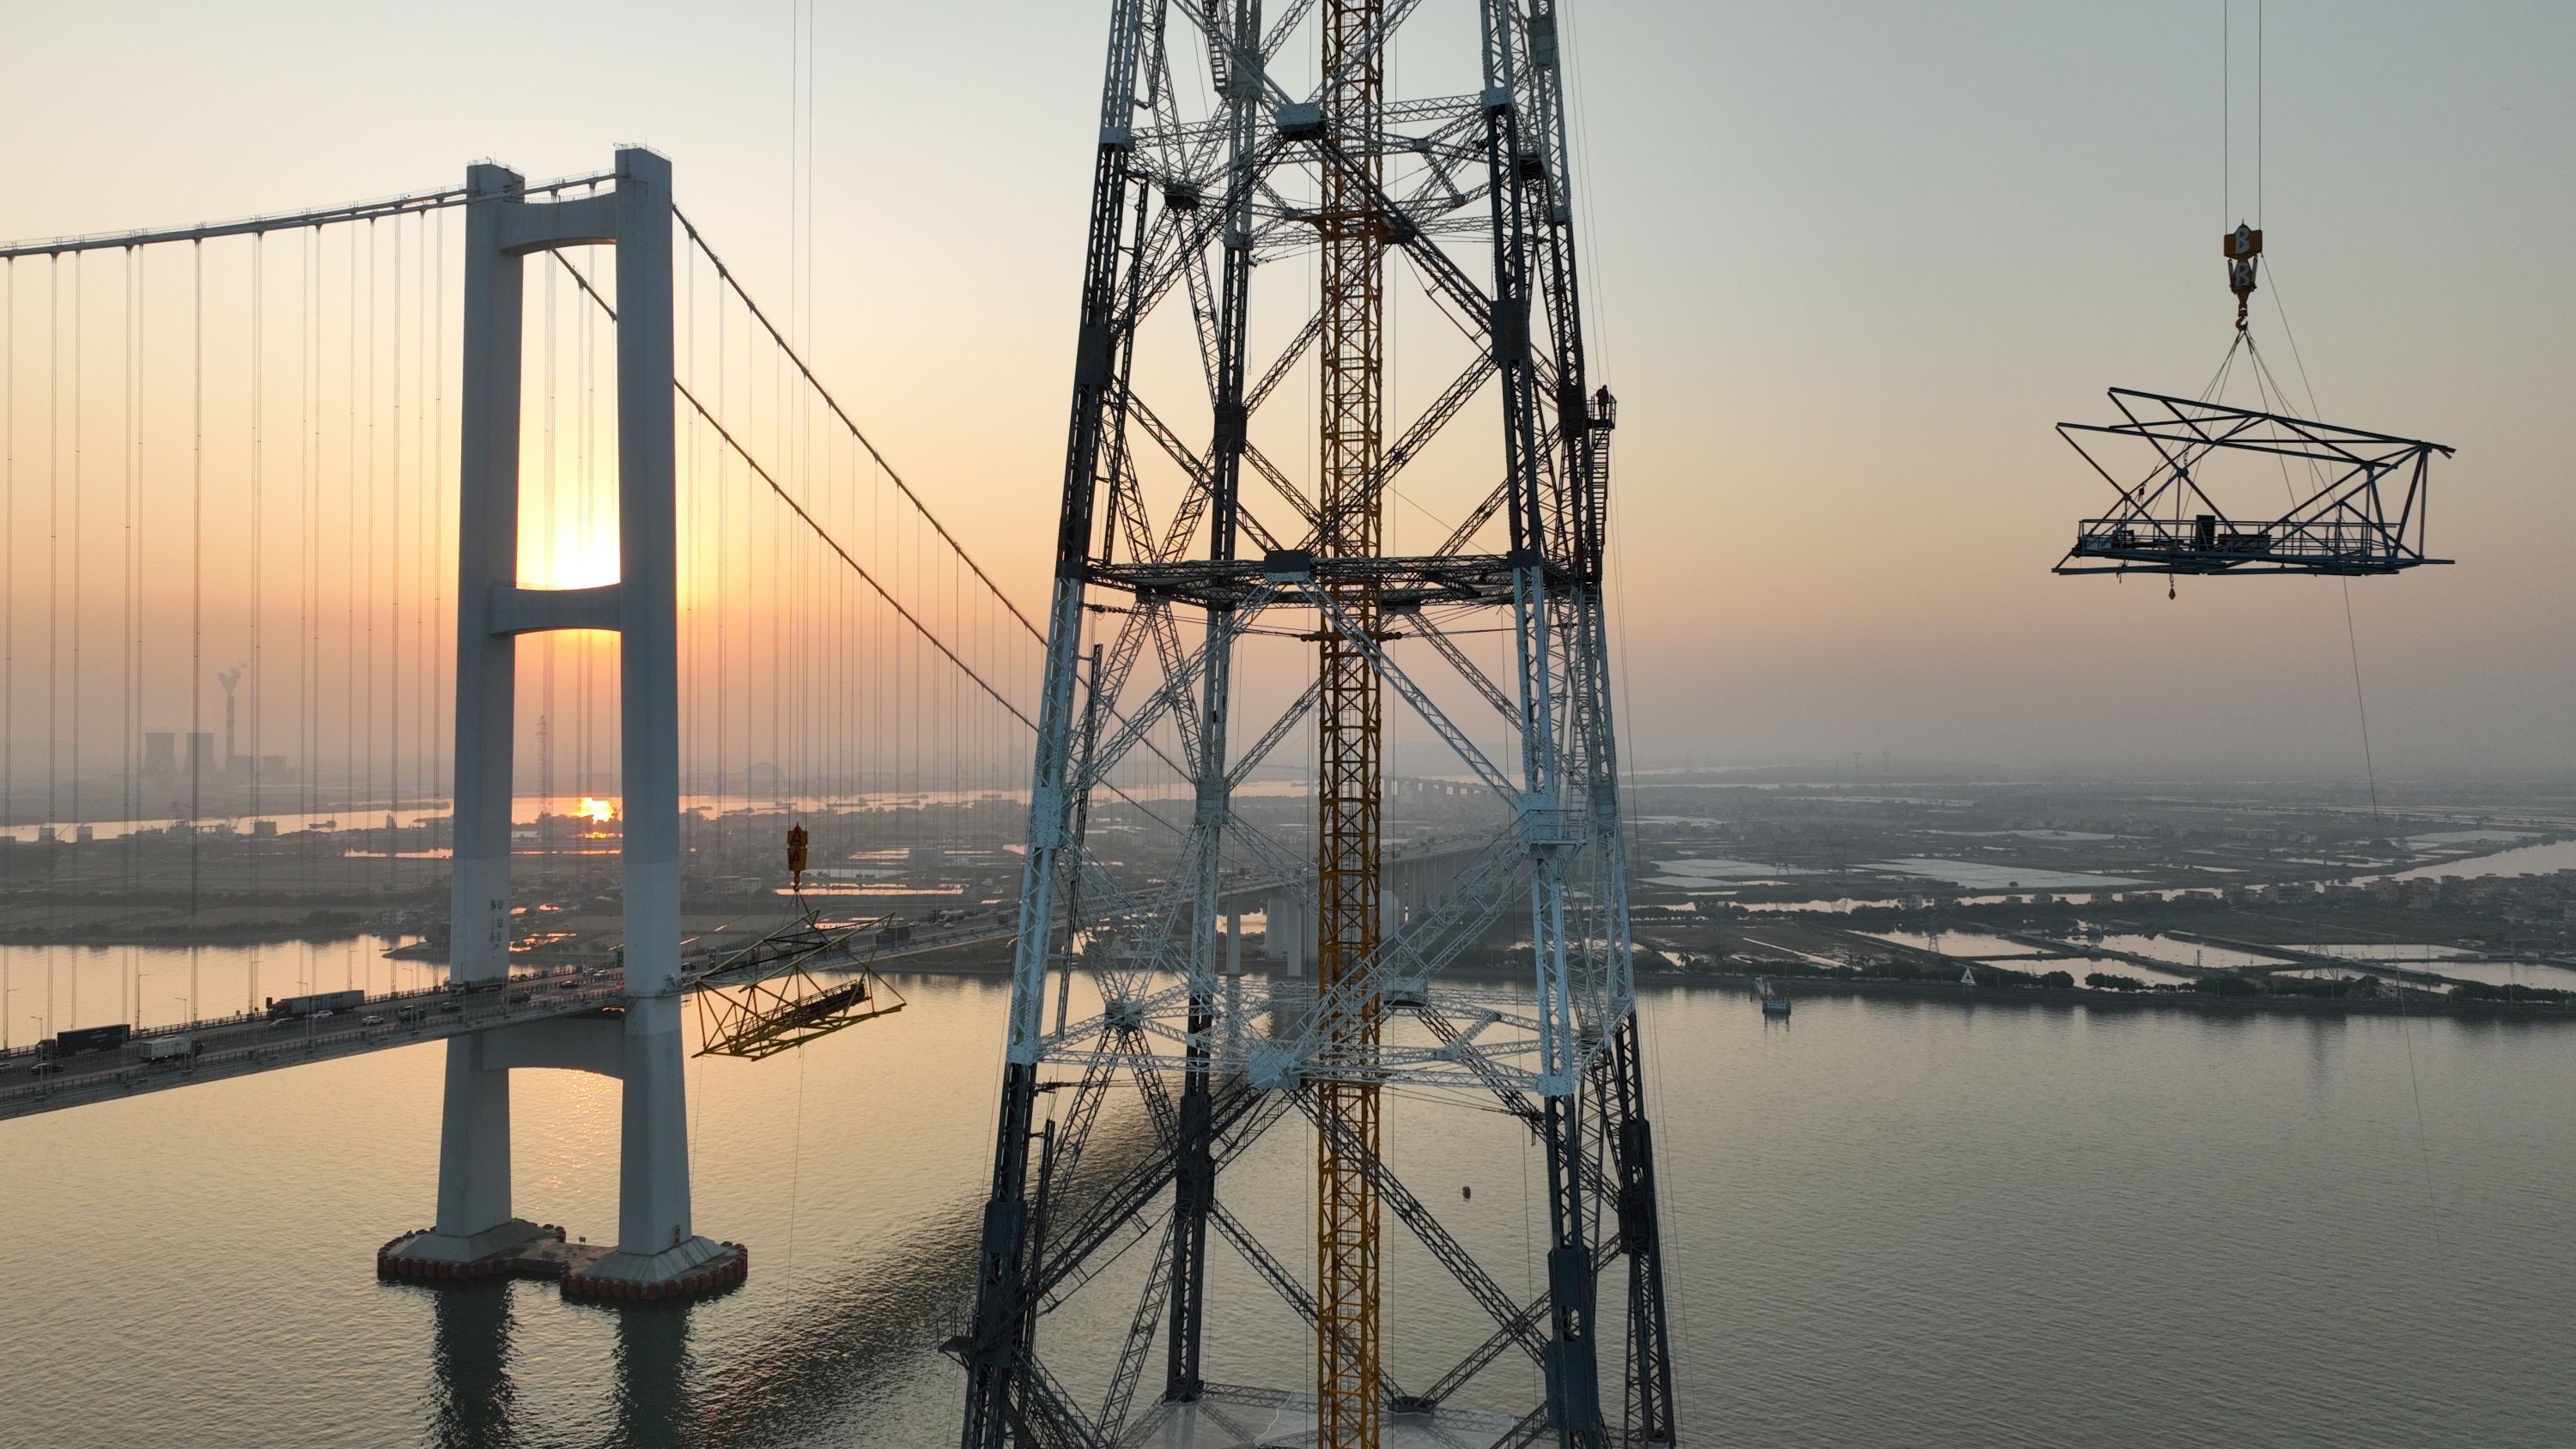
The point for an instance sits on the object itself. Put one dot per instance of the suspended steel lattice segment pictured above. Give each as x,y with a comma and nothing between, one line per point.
1197,570
2359,497
791,986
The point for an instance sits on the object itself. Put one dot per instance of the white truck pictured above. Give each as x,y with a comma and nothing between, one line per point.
166,1048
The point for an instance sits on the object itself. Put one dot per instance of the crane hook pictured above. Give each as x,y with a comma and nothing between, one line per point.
2241,246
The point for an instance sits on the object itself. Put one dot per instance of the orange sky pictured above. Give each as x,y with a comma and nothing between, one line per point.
1849,263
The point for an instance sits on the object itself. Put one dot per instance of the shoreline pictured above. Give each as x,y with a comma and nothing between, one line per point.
1794,986
1951,991
1791,985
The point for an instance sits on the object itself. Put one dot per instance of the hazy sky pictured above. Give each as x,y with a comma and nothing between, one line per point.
1850,262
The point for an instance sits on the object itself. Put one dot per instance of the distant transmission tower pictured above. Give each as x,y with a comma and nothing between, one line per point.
1213,162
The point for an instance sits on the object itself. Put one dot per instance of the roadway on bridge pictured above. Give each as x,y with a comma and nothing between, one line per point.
238,1046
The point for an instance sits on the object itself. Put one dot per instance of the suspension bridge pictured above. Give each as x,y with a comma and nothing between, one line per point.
363,472
541,585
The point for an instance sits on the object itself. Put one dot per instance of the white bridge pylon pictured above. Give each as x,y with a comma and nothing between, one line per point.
657,1244
639,1041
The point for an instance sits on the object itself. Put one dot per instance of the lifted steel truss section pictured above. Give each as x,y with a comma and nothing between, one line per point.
2361,505
1182,543
797,982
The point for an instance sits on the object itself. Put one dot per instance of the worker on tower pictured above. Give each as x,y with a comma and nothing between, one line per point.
796,838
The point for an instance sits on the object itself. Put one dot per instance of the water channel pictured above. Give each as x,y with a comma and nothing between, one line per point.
1892,1222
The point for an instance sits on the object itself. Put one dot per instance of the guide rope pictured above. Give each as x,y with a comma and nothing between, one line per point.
2242,262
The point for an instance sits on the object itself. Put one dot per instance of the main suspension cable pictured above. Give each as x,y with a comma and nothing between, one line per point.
811,522
726,276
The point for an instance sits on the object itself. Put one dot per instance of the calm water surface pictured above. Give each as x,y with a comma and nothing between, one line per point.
1892,1223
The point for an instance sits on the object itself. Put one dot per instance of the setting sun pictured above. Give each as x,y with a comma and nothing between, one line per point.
594,809
576,561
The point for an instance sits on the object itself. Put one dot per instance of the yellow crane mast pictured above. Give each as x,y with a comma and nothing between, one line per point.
1348,728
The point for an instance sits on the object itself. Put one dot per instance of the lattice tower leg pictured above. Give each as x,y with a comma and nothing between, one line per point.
1631,1144
995,1349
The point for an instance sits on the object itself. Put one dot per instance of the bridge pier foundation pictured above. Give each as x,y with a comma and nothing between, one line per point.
654,1244
478,1236
475,1227
474,1145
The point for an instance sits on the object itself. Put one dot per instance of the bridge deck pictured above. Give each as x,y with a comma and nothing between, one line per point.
238,1046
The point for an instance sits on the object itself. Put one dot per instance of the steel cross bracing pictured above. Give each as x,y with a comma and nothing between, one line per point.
1186,543
2359,504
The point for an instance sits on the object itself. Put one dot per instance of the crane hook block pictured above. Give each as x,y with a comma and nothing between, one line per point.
796,838
2242,246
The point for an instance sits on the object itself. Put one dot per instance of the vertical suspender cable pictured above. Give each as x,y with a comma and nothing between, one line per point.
419,530
196,570
687,484
79,392
393,586
125,676
724,595
9,585
308,467
780,694
316,629
553,550
586,343
425,493
53,548
258,506
142,519
579,504
128,675
349,797
367,487
9,582
436,532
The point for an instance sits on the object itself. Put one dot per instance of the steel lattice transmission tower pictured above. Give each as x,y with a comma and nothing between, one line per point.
1211,164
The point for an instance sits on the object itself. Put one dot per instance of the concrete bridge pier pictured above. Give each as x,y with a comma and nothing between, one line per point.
658,1253
1288,935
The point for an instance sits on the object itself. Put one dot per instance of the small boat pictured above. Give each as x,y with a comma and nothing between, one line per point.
1774,1003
